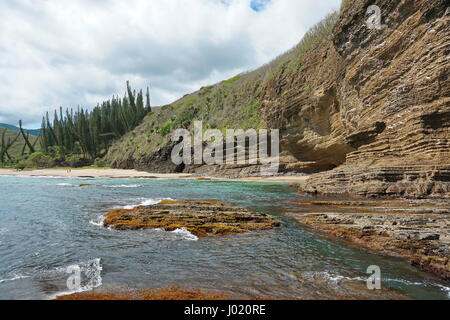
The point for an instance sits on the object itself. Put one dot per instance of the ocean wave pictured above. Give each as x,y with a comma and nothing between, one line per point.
15,277
121,185
102,185
407,282
99,221
146,202
185,234
336,279
40,177
445,289
330,277
177,234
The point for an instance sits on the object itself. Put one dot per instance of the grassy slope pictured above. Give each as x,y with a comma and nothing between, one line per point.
16,148
233,103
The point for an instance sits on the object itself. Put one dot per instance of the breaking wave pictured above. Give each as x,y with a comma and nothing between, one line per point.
185,235
115,186
445,289
16,277
121,185
98,222
146,202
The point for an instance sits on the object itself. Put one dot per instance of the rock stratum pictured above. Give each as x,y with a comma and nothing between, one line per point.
201,218
367,111
416,230
390,105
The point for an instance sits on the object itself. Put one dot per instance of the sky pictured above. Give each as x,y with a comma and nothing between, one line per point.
79,52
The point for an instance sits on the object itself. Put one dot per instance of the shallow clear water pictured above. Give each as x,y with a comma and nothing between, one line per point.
48,224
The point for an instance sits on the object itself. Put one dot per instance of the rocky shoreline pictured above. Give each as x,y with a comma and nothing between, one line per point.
171,293
317,286
416,230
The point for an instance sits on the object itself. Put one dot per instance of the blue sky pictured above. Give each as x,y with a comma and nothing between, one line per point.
68,53
258,5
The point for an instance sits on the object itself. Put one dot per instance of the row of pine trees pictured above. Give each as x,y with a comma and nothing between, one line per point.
90,133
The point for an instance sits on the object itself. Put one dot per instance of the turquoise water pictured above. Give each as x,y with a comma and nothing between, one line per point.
49,224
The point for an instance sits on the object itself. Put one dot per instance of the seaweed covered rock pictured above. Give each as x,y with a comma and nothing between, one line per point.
416,230
201,218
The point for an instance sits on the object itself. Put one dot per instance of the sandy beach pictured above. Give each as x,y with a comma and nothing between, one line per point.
130,173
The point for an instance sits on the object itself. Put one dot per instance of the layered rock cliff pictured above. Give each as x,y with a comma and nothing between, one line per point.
366,110
392,103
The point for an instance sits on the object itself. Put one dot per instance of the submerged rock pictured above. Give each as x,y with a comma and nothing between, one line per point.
201,218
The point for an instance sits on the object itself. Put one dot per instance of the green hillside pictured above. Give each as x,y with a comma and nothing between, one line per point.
17,147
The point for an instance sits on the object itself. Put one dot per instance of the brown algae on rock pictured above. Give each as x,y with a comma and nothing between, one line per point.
201,218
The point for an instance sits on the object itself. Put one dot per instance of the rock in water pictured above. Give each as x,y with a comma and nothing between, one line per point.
416,230
201,218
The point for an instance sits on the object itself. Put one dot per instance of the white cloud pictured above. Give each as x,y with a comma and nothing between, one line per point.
70,52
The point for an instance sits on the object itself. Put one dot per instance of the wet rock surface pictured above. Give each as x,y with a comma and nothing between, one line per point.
416,230
201,218
318,287
171,293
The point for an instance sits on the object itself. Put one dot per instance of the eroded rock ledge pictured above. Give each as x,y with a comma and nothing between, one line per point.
201,218
416,230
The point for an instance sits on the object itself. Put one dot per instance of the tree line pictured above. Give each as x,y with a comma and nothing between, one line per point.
90,133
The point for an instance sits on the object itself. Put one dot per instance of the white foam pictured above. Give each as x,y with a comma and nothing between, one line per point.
410,283
122,185
146,202
446,289
16,277
39,177
185,235
99,221
103,185
330,277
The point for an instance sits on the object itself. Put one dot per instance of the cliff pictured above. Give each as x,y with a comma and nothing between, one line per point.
391,103
366,110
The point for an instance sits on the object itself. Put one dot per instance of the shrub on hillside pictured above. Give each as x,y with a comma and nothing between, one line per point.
75,161
40,160
100,163
21,165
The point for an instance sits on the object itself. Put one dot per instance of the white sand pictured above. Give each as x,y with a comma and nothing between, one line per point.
125,173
